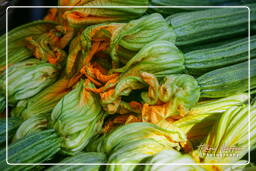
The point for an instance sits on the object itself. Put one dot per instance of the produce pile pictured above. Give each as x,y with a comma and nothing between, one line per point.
130,86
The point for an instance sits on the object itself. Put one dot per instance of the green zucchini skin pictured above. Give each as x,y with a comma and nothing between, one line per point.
169,11
2,103
88,157
228,80
13,124
209,25
201,61
36,148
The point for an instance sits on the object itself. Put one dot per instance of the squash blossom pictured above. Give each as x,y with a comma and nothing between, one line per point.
34,124
171,156
44,101
139,131
201,117
78,17
225,143
27,78
134,35
17,50
77,117
176,95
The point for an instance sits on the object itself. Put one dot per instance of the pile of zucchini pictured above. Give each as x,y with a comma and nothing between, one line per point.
130,88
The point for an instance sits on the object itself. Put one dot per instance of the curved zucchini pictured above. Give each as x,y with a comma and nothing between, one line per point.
200,61
36,148
228,81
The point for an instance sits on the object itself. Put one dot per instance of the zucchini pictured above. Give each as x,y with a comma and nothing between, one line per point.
209,45
89,157
13,124
36,148
204,60
209,25
2,103
169,11
228,80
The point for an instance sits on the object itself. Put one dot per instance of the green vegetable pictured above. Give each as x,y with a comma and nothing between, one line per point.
34,124
27,78
2,103
205,26
13,124
16,41
36,148
228,80
200,61
89,157
168,11
77,117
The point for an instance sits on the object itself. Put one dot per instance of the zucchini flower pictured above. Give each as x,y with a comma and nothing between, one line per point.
229,138
34,124
45,101
48,46
88,157
27,78
171,157
175,97
85,16
75,57
201,118
134,142
134,35
17,50
163,54
159,57
169,138
77,117
134,153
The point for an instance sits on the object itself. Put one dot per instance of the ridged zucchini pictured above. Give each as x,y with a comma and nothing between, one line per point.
201,61
89,157
228,80
210,25
2,103
13,124
36,148
168,11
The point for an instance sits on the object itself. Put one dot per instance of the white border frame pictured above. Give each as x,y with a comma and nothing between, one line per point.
249,67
